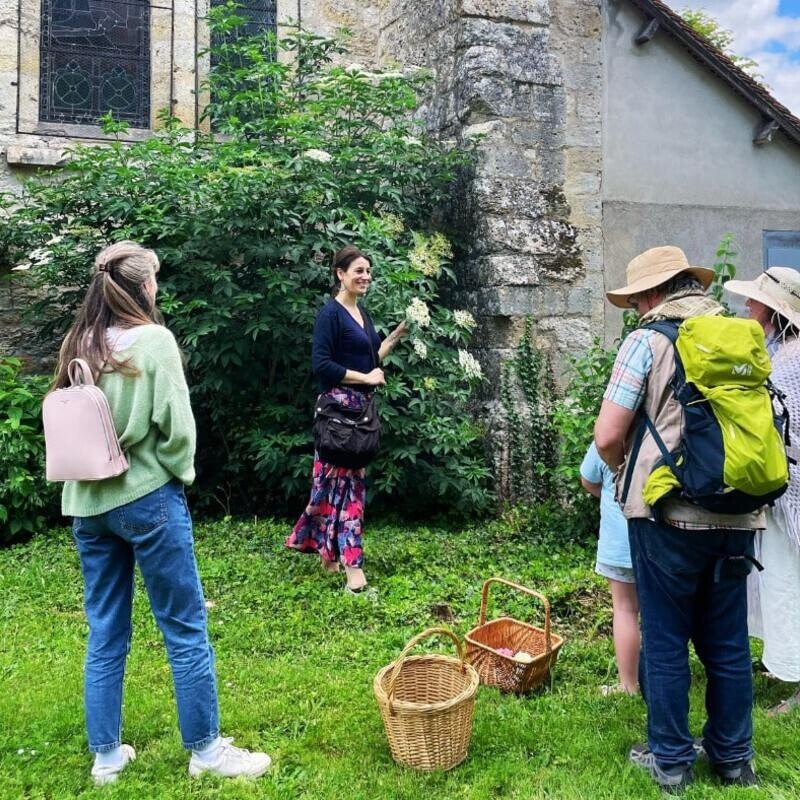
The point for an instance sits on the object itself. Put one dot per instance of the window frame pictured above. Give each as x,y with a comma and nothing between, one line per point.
776,238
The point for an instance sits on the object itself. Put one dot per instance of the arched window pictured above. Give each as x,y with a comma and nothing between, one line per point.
95,58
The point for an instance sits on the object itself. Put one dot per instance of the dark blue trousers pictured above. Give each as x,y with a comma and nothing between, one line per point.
692,587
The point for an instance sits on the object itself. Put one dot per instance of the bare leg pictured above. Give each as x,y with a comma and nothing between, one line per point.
626,633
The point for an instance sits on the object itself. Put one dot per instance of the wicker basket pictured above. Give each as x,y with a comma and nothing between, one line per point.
504,672
426,702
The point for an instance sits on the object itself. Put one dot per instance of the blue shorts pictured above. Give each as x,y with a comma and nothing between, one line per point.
614,573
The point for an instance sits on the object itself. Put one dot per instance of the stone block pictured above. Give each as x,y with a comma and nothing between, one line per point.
36,156
535,12
503,160
507,270
524,64
510,197
495,96
535,301
494,333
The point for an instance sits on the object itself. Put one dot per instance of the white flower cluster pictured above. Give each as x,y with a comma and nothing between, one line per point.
318,155
418,313
464,319
420,348
428,253
470,365
39,257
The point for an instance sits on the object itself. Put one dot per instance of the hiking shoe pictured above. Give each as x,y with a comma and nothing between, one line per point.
231,762
672,780
101,775
737,774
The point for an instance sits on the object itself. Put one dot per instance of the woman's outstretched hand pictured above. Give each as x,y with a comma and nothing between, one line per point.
375,377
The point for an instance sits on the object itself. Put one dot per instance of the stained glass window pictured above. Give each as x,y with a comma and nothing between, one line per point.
261,15
95,58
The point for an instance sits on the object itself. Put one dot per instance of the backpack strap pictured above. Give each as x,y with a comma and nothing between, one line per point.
668,328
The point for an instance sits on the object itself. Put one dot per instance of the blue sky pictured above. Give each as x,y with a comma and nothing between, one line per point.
766,30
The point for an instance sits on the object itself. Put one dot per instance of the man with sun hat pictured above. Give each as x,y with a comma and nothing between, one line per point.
682,554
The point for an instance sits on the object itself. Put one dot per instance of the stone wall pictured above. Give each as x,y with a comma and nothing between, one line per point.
525,76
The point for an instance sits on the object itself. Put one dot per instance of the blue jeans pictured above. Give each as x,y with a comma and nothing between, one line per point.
692,586
154,532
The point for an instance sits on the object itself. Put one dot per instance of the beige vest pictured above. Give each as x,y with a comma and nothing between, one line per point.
665,412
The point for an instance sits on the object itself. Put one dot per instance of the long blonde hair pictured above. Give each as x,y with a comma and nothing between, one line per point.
117,296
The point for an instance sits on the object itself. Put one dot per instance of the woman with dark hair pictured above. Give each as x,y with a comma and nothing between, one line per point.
773,300
345,354
141,517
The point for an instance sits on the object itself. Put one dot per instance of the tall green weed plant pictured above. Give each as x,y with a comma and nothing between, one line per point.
306,156
27,501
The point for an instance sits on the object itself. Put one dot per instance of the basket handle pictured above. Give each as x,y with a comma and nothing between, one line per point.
398,665
544,601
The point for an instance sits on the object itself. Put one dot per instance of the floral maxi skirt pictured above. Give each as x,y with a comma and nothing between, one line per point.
332,522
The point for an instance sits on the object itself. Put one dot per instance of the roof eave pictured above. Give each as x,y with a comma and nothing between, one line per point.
723,68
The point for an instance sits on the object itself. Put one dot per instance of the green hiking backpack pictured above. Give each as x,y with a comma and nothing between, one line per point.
731,458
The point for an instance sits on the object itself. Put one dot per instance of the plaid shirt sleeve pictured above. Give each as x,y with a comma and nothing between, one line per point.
628,380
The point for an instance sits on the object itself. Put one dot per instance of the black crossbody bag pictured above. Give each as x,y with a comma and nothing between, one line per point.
345,437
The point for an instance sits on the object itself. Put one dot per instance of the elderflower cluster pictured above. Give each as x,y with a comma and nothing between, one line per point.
420,348
418,313
392,224
470,365
318,155
464,319
428,253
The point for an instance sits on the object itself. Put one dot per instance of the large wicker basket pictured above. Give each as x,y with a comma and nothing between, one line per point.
505,672
426,702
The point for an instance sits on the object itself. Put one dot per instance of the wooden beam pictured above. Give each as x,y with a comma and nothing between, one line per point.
765,131
648,31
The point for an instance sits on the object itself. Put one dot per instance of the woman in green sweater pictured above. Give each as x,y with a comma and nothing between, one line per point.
141,517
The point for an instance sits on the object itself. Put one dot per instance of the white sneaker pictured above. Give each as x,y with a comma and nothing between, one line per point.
230,762
108,774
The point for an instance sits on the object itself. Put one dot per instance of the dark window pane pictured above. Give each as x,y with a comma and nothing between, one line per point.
95,58
261,15
782,249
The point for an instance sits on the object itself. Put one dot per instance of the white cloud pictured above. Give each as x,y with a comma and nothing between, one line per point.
756,25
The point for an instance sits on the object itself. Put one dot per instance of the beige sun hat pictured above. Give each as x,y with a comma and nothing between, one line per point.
654,267
778,288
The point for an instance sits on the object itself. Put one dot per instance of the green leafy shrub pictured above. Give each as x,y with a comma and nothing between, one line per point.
573,417
27,501
306,156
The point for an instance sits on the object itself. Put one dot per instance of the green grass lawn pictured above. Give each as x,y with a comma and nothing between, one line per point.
296,657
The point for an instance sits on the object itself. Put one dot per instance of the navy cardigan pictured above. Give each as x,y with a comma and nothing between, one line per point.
340,343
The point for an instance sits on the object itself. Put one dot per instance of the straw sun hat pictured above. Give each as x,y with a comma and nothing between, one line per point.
778,288
654,267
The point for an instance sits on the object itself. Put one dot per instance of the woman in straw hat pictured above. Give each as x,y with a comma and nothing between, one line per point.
773,300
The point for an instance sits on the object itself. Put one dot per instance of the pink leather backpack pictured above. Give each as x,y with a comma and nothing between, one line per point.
80,441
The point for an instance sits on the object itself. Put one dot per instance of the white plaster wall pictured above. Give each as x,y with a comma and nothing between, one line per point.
679,163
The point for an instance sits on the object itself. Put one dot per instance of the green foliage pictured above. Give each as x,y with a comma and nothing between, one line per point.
724,267
575,414
296,658
26,499
307,156
721,38
526,391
